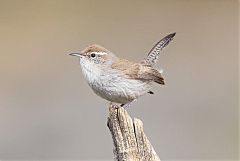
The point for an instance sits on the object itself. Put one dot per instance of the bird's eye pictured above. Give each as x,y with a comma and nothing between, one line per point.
93,55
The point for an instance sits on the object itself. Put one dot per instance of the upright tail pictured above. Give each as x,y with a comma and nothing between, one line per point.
155,51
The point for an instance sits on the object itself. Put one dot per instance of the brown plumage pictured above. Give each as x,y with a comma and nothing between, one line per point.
94,48
138,71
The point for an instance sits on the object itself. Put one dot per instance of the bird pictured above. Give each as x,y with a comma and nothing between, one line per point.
118,80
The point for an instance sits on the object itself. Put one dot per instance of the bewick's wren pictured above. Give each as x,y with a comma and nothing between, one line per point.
119,80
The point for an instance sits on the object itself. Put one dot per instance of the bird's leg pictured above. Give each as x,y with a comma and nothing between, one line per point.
128,104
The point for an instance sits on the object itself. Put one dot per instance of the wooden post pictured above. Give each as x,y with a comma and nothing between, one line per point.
130,142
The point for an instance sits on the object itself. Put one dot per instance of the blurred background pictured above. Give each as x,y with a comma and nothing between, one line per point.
48,112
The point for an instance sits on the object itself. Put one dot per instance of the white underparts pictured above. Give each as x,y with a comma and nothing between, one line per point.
113,85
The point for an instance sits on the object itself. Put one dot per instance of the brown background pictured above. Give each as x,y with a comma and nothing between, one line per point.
47,111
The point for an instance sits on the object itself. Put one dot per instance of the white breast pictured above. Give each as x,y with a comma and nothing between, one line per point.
112,85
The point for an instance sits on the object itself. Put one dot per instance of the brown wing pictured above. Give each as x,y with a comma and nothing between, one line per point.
138,71
152,74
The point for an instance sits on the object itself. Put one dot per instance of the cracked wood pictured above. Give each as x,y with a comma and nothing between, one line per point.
129,140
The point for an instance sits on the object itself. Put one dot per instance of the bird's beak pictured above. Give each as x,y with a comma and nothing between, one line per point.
76,54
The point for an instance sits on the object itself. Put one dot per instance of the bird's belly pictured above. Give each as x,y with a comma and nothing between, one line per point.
120,89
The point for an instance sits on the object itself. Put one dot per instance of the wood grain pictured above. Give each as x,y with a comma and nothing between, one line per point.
129,140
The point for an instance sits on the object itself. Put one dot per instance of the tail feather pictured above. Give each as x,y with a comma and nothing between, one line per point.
154,52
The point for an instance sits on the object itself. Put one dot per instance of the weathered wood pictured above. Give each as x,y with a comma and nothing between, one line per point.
129,139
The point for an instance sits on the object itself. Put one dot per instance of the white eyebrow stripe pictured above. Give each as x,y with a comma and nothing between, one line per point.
100,53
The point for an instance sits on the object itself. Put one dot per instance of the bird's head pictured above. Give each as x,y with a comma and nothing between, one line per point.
95,54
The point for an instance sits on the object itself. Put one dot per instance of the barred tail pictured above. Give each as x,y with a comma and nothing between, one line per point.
154,52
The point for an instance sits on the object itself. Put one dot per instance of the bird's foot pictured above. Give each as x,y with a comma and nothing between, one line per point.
114,105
